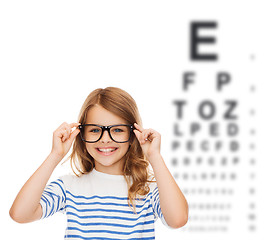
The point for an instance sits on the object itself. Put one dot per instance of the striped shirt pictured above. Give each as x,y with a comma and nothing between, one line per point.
97,208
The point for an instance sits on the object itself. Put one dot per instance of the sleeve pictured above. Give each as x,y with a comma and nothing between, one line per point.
53,198
156,206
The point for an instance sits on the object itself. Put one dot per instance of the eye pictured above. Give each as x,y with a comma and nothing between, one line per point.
118,130
94,130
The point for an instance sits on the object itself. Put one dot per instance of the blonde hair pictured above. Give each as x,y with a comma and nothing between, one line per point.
136,167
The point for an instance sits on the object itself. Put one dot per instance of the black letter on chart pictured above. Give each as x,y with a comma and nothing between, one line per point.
196,40
223,79
228,113
187,79
179,104
212,109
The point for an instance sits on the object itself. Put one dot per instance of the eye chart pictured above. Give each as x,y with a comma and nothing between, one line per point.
215,132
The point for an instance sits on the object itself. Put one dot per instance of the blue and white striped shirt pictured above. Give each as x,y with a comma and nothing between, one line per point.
97,208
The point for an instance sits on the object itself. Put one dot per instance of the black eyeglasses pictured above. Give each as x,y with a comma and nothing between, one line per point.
119,133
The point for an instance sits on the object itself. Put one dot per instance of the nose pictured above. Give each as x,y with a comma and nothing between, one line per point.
105,137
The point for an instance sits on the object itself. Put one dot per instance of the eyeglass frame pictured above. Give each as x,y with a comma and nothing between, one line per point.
105,128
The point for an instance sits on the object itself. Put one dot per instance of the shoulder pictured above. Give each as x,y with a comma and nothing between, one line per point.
153,187
72,179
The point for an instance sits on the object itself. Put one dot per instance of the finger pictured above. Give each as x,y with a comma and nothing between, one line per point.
60,132
62,135
143,136
137,133
68,130
63,126
65,130
139,136
139,128
147,133
72,125
150,135
74,134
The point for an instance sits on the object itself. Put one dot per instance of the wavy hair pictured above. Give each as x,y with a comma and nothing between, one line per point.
136,167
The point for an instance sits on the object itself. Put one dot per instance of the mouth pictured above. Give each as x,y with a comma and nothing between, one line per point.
106,151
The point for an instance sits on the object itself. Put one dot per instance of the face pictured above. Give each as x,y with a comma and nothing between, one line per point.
108,155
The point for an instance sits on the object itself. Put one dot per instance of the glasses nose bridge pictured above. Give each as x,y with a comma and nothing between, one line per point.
106,128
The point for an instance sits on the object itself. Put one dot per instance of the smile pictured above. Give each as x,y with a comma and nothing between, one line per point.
106,151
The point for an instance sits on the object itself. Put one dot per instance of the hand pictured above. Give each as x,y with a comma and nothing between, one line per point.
63,138
149,140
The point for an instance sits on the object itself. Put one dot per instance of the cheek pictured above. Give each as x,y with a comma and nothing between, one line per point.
122,150
126,147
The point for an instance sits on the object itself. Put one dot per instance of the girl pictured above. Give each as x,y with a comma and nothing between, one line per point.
112,195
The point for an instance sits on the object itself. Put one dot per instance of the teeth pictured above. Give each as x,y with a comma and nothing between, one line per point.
106,149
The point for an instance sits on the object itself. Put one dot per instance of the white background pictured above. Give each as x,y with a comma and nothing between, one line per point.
54,53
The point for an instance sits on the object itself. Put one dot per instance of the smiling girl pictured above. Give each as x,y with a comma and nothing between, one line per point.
113,195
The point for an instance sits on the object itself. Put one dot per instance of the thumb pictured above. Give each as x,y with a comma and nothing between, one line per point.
74,134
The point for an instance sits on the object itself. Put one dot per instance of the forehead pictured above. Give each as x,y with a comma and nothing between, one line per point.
101,116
